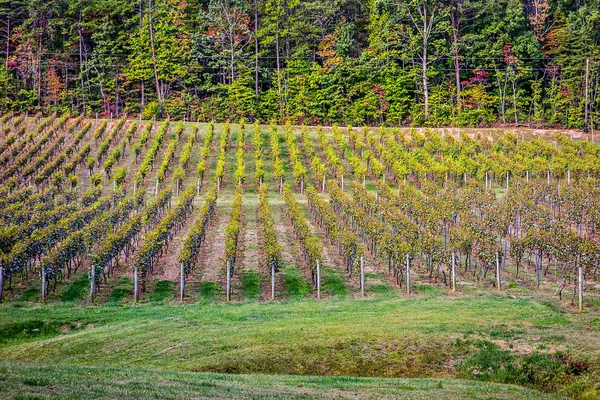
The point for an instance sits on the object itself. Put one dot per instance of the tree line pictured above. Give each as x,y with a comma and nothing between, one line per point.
360,62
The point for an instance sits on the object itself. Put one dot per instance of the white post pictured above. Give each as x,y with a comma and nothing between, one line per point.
507,181
156,189
43,284
453,273
135,285
342,182
181,284
1,283
228,288
407,274
548,177
272,282
498,270
362,276
580,273
486,179
198,187
568,177
318,280
323,184
134,187
92,281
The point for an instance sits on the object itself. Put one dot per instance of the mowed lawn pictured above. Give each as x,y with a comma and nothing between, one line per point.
156,349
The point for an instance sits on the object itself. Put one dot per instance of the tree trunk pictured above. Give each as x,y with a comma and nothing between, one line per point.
152,47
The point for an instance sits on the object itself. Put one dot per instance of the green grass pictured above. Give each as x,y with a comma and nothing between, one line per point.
32,381
332,283
210,290
424,336
121,292
294,284
77,289
163,291
251,284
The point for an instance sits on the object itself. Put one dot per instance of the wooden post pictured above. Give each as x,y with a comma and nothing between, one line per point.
156,189
92,281
198,187
228,288
407,274
580,276
498,285
43,284
507,179
318,280
1,283
362,276
135,285
453,273
181,284
273,282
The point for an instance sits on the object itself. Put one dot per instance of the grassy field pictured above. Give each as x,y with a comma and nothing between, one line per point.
157,349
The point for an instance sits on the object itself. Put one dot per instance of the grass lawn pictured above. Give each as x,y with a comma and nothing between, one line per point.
29,381
479,336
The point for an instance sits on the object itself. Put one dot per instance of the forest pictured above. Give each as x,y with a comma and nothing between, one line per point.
360,62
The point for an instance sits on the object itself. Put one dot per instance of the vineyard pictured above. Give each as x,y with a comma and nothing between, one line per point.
273,212
117,212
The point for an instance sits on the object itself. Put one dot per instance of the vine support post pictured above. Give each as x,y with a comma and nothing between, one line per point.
408,274
362,276
507,180
43,284
498,283
453,272
486,179
181,284
156,188
568,177
136,285
198,187
228,288
580,284
1,283
318,280
273,282
92,281
323,184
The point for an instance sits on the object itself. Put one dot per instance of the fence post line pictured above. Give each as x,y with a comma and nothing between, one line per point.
498,271
453,272
408,274
181,284
318,280
273,282
362,276
92,281
135,285
228,288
